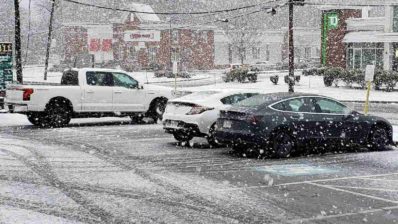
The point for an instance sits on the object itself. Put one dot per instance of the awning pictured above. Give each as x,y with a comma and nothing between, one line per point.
370,37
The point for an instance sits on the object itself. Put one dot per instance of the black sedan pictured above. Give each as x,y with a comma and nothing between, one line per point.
282,124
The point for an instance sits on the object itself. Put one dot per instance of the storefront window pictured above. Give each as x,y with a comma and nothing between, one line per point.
395,19
359,55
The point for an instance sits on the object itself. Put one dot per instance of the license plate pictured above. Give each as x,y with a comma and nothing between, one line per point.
172,124
227,124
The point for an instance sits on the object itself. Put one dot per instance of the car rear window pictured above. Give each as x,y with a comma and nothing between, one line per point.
255,101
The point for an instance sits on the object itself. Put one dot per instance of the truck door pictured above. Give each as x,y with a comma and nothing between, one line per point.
98,93
127,97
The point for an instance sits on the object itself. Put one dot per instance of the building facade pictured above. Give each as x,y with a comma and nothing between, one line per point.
353,38
140,41
268,47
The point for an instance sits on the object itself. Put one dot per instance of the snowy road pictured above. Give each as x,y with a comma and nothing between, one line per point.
126,173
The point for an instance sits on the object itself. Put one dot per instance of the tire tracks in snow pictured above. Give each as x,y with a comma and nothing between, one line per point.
43,169
201,204
205,205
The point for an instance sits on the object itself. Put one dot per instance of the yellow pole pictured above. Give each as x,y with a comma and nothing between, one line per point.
367,98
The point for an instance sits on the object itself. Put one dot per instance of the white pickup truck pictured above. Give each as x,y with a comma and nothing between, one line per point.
87,92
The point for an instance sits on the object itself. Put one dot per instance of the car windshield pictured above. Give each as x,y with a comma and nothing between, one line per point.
255,101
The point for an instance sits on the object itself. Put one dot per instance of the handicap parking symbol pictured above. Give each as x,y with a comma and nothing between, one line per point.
296,170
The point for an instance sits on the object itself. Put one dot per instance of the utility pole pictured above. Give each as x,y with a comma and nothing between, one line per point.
18,55
291,48
50,28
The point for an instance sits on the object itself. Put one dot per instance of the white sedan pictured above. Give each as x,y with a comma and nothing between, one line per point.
195,115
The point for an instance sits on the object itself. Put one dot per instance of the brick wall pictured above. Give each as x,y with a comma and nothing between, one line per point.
336,49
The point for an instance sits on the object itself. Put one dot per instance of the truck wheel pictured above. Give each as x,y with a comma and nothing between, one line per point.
157,109
35,118
58,114
137,119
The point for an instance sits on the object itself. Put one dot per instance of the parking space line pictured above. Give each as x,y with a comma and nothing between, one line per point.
377,179
364,188
309,181
354,193
307,220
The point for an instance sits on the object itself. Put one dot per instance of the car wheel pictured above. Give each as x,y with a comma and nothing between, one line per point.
378,138
283,144
182,137
211,139
240,149
158,109
58,114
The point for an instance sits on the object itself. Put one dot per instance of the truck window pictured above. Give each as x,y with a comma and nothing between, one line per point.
99,79
70,78
124,80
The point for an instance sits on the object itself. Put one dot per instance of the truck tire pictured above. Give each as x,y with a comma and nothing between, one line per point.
58,113
157,109
35,118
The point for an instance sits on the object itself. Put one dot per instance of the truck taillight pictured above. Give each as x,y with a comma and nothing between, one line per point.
26,94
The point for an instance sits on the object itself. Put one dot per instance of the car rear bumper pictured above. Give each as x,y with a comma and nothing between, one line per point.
239,138
181,126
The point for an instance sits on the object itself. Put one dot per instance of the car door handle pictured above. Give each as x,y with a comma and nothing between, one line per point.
89,91
118,92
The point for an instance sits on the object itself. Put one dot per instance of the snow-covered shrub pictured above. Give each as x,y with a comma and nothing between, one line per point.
274,79
333,75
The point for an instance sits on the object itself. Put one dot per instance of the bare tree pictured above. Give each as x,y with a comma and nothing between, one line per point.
243,36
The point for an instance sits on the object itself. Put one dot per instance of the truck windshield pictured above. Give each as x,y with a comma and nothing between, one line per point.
70,78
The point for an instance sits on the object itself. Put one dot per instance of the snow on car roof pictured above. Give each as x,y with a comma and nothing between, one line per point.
211,96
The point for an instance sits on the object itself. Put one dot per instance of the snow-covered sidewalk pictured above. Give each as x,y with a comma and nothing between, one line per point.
307,84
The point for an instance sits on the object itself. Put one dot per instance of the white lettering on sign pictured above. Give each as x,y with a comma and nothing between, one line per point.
141,36
370,73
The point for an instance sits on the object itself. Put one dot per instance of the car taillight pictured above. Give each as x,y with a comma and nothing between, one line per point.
26,94
196,109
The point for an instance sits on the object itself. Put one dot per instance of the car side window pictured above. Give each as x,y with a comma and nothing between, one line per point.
99,79
236,98
330,106
292,105
124,80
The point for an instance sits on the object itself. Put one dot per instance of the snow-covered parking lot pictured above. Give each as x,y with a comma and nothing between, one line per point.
117,172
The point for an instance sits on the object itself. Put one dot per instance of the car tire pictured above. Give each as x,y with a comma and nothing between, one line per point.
283,144
211,138
58,114
157,109
240,149
182,137
378,139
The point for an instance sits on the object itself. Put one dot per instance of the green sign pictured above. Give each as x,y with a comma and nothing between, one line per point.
6,75
330,22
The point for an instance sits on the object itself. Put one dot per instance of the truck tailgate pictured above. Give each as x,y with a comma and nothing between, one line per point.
14,95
